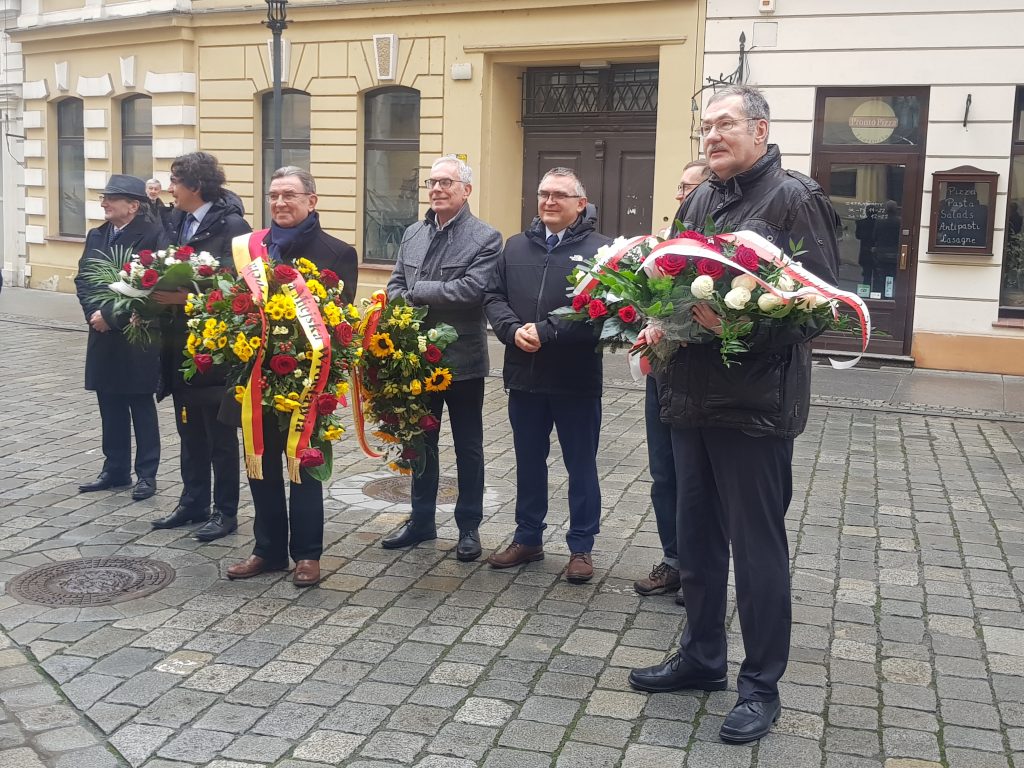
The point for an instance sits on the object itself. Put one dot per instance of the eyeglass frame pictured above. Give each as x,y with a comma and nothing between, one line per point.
556,196
681,187
444,184
717,126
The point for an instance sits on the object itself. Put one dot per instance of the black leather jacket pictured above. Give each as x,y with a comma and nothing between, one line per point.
767,390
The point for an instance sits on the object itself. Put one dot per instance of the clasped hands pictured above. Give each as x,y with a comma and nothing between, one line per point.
703,313
527,338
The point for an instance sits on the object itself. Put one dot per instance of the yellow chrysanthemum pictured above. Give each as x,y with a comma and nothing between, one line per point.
243,351
307,267
316,289
189,308
332,313
239,394
275,312
381,345
190,345
289,313
440,379
342,389
286,404
352,311
254,342
223,342
210,343
415,387
333,433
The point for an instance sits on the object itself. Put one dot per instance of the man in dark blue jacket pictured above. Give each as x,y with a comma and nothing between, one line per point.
552,371
124,376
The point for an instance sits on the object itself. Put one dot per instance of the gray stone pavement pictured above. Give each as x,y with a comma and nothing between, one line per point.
907,533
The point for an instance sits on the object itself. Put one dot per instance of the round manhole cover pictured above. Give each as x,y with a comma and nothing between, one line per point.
396,489
91,581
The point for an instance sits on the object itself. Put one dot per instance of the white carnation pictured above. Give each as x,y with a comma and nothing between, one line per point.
169,261
744,281
432,334
703,287
767,302
737,298
786,283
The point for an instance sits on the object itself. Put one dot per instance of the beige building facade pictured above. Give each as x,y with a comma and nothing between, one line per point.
373,92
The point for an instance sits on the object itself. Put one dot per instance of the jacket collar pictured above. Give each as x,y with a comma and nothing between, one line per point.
769,161
431,218
577,231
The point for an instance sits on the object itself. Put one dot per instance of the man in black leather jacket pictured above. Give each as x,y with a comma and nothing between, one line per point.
733,428
552,371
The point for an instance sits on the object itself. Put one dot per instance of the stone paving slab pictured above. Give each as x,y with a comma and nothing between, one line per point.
906,529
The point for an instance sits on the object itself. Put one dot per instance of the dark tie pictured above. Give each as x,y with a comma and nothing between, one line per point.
186,228
552,241
112,235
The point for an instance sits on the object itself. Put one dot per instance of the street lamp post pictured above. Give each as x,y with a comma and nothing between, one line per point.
277,20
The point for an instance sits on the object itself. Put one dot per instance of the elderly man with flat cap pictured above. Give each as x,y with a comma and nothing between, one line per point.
124,376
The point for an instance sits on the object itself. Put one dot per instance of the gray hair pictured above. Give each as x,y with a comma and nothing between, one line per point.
308,182
153,181
465,172
567,173
702,164
755,106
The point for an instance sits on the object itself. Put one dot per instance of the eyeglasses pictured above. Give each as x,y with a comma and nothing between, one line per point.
556,197
286,197
684,187
442,183
724,126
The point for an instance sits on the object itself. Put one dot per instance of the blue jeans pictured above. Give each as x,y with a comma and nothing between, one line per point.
663,475
578,423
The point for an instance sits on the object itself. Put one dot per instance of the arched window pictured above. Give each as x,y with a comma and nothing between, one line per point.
391,170
70,168
137,136
294,136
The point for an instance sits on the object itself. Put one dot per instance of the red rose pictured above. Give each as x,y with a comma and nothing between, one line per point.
213,298
712,269
390,419
146,258
579,301
184,253
311,457
329,278
252,319
204,362
343,333
689,234
150,278
627,314
410,455
432,354
670,264
282,365
326,404
205,270
242,304
284,274
429,423
596,309
746,258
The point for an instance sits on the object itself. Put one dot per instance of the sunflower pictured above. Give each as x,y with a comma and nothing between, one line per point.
381,345
439,380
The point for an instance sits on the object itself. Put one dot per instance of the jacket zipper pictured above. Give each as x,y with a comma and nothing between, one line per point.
540,295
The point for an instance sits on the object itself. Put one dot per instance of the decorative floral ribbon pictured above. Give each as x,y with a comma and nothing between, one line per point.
368,327
251,266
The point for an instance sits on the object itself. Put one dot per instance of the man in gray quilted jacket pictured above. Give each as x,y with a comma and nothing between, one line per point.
445,262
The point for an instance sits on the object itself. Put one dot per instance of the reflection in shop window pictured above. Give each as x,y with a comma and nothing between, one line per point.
137,136
70,169
391,170
1011,293
295,129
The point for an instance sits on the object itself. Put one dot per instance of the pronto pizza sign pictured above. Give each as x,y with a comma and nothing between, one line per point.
873,122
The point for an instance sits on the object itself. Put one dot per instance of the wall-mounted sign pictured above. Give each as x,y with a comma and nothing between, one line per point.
963,211
873,122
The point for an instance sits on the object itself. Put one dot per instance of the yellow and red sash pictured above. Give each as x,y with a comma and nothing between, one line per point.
367,328
250,250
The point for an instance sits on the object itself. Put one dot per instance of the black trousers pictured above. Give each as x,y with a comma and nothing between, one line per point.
206,444
733,487
119,414
303,514
465,401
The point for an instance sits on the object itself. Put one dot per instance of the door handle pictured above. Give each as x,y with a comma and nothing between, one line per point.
903,256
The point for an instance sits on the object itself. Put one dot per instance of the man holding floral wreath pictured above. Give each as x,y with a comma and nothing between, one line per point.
294,526
733,427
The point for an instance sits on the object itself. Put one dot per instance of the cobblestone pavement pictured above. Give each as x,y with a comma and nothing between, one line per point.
908,643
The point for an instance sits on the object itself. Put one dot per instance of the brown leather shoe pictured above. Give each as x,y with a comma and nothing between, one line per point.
580,568
516,554
307,573
253,565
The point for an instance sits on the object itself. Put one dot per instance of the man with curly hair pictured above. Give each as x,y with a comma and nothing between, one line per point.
206,217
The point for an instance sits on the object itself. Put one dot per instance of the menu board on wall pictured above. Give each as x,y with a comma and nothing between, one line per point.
962,211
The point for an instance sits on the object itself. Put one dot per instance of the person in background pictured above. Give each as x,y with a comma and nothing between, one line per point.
159,211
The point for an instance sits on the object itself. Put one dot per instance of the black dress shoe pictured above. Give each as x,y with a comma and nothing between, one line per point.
218,526
469,546
750,720
408,535
181,516
143,489
103,482
673,674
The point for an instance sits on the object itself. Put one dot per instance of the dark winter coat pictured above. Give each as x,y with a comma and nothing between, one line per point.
448,270
767,390
326,252
111,363
527,286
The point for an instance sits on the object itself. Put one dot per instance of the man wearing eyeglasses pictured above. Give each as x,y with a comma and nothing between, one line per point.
552,372
444,262
733,428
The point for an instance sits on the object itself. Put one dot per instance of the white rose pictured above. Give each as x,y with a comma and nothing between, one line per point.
737,298
744,281
786,283
432,334
170,260
767,302
702,287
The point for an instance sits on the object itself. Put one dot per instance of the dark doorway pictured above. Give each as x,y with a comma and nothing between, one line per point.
601,123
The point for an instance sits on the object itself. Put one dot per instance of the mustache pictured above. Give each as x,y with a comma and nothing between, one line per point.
712,148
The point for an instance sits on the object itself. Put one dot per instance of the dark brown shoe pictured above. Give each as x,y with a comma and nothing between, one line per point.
307,573
664,578
516,554
254,565
580,568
